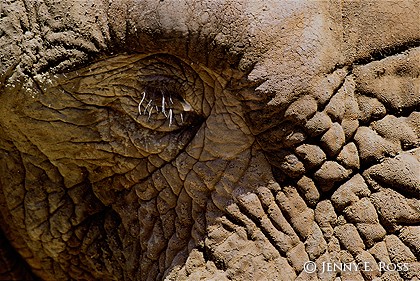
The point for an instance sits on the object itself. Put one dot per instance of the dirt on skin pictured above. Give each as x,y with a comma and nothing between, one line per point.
301,151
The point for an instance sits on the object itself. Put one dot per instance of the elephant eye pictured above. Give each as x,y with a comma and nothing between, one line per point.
164,110
158,92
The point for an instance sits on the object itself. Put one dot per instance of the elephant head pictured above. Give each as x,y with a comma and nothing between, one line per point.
187,140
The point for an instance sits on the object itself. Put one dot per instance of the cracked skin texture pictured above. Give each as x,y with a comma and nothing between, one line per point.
298,139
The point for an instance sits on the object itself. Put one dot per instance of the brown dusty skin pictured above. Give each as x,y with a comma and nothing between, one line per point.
209,140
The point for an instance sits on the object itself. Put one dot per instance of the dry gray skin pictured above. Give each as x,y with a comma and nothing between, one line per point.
301,142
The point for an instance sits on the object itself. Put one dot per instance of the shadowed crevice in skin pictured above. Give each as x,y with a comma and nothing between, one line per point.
388,52
13,267
302,143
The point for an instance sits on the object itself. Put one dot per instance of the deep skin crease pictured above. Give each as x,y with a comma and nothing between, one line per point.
179,140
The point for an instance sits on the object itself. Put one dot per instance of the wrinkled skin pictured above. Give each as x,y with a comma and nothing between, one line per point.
289,134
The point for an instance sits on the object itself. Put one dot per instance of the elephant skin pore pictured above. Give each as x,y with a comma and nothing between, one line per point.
209,140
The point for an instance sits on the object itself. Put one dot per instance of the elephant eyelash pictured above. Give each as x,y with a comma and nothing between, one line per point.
164,103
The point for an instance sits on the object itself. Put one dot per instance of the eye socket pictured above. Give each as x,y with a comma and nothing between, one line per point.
164,110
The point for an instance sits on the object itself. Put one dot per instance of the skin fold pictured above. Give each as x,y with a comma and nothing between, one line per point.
209,140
